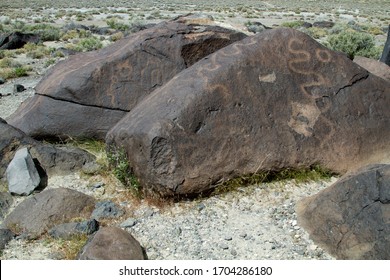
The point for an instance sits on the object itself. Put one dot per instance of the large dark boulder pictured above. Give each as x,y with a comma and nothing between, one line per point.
351,219
111,243
274,100
85,95
37,214
16,40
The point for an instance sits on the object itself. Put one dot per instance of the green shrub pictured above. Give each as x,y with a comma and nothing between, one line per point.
354,44
121,169
11,73
293,24
316,32
46,32
87,44
21,71
115,24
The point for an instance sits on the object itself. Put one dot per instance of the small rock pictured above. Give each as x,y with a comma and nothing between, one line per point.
233,252
228,238
243,234
201,206
91,168
312,247
130,222
22,175
223,246
2,81
97,185
106,209
19,88
67,230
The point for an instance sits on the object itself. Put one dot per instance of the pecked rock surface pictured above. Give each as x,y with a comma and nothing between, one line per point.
274,100
85,95
351,219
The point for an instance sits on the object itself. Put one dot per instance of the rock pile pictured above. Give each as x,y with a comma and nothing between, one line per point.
238,112
190,106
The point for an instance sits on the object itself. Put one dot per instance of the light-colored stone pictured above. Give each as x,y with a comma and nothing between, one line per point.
22,175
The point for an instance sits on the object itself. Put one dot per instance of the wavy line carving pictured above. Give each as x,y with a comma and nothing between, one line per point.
305,116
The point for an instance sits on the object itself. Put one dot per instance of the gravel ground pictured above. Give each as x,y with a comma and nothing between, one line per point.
255,222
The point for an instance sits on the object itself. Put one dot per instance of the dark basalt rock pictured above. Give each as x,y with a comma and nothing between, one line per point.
87,94
274,100
351,219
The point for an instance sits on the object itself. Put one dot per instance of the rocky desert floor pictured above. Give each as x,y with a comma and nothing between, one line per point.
247,222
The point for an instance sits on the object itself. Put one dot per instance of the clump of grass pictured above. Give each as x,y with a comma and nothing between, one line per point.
86,45
117,25
293,24
316,32
69,248
15,72
116,36
300,175
21,71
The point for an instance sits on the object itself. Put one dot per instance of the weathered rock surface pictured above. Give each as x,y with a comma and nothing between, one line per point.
375,67
111,243
6,200
54,159
271,101
11,139
85,95
61,159
16,40
5,236
351,219
68,230
37,214
106,209
22,174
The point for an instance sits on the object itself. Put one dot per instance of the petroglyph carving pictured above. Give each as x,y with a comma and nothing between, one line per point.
269,78
305,116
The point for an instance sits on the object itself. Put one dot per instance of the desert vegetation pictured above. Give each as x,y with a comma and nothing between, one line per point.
360,26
